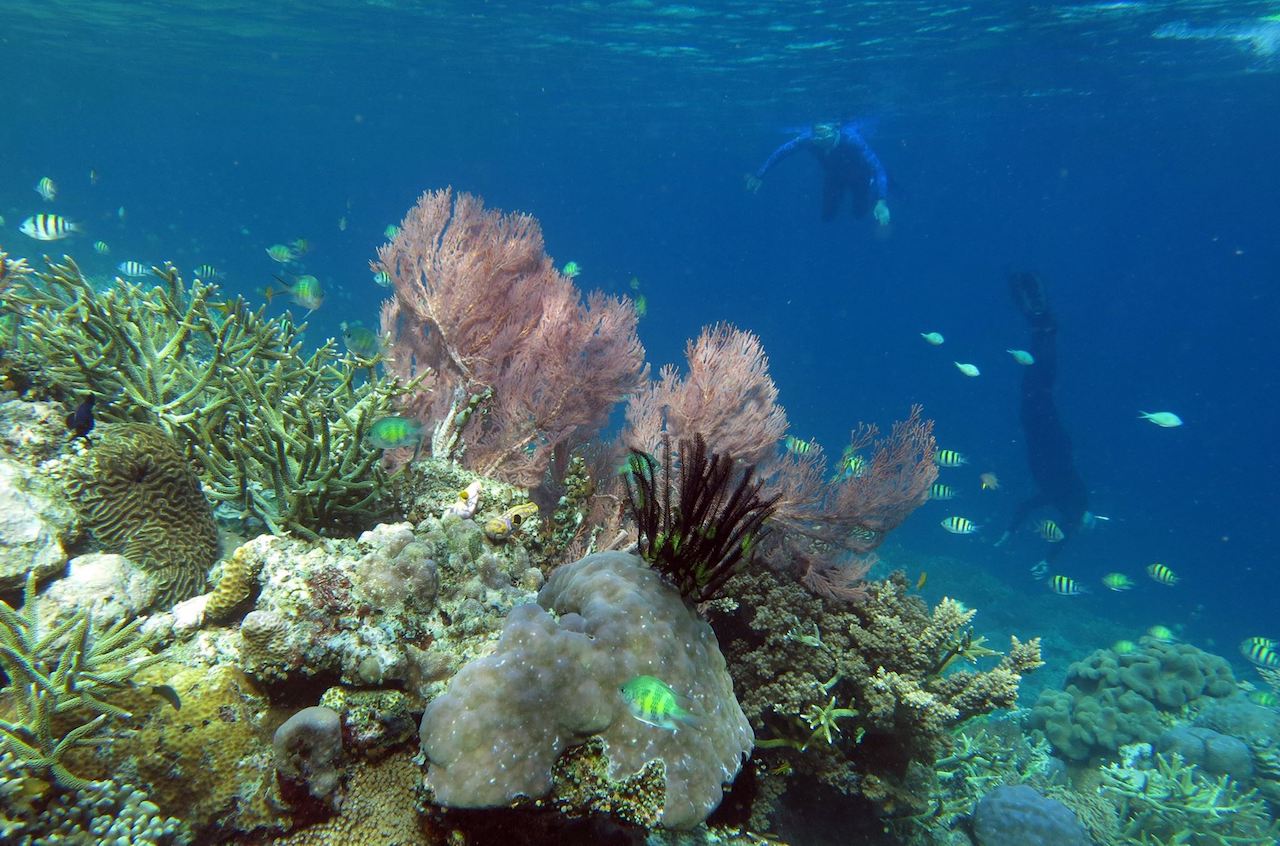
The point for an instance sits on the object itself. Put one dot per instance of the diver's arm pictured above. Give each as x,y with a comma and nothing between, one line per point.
879,177
779,154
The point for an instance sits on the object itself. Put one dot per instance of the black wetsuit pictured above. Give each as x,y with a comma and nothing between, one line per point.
1049,454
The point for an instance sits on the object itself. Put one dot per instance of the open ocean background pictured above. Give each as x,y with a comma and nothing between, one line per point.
1139,175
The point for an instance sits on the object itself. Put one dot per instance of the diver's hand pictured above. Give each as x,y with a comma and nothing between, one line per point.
881,212
753,182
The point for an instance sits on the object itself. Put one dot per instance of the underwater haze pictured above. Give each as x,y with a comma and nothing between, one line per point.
1124,151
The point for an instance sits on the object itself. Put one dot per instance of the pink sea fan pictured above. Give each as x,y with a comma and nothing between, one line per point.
478,302
727,396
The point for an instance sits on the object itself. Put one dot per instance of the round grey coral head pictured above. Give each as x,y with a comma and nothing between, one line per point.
553,681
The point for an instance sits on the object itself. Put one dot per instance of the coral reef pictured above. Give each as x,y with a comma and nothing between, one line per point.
479,306
32,811
63,683
379,808
209,761
1017,815
1110,700
277,436
374,722
499,728
861,697
308,751
1166,801
397,606
139,497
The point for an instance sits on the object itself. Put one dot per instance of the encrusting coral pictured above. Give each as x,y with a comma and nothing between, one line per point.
277,435
139,496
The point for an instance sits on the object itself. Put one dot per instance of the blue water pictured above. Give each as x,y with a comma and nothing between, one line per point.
1137,173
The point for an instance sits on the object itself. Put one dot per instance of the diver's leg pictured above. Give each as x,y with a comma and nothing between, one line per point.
1029,295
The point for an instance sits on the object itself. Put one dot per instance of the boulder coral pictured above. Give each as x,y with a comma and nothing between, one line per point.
552,682
1111,700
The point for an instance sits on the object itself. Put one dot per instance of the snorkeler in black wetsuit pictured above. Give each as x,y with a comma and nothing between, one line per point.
849,168
1049,453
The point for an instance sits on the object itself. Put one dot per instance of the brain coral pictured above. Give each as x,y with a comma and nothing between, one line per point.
1111,700
138,495
553,681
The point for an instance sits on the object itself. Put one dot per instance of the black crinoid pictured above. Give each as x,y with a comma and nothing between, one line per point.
699,518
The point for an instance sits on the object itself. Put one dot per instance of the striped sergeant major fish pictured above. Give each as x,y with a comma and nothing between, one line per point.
47,227
949,458
1066,586
47,188
959,525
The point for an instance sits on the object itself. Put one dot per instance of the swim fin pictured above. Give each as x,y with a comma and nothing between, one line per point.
1028,294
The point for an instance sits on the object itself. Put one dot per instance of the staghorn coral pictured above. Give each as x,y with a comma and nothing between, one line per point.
278,436
478,306
136,492
889,663
1170,802
63,683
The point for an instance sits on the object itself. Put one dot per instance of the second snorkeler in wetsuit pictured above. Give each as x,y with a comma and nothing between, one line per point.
1049,453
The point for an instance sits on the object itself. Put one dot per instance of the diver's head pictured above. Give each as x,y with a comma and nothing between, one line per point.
826,135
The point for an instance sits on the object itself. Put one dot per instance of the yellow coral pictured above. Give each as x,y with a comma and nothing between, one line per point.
238,576
378,809
207,762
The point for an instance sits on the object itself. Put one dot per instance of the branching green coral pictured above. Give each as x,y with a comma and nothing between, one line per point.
1174,803
70,670
277,435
